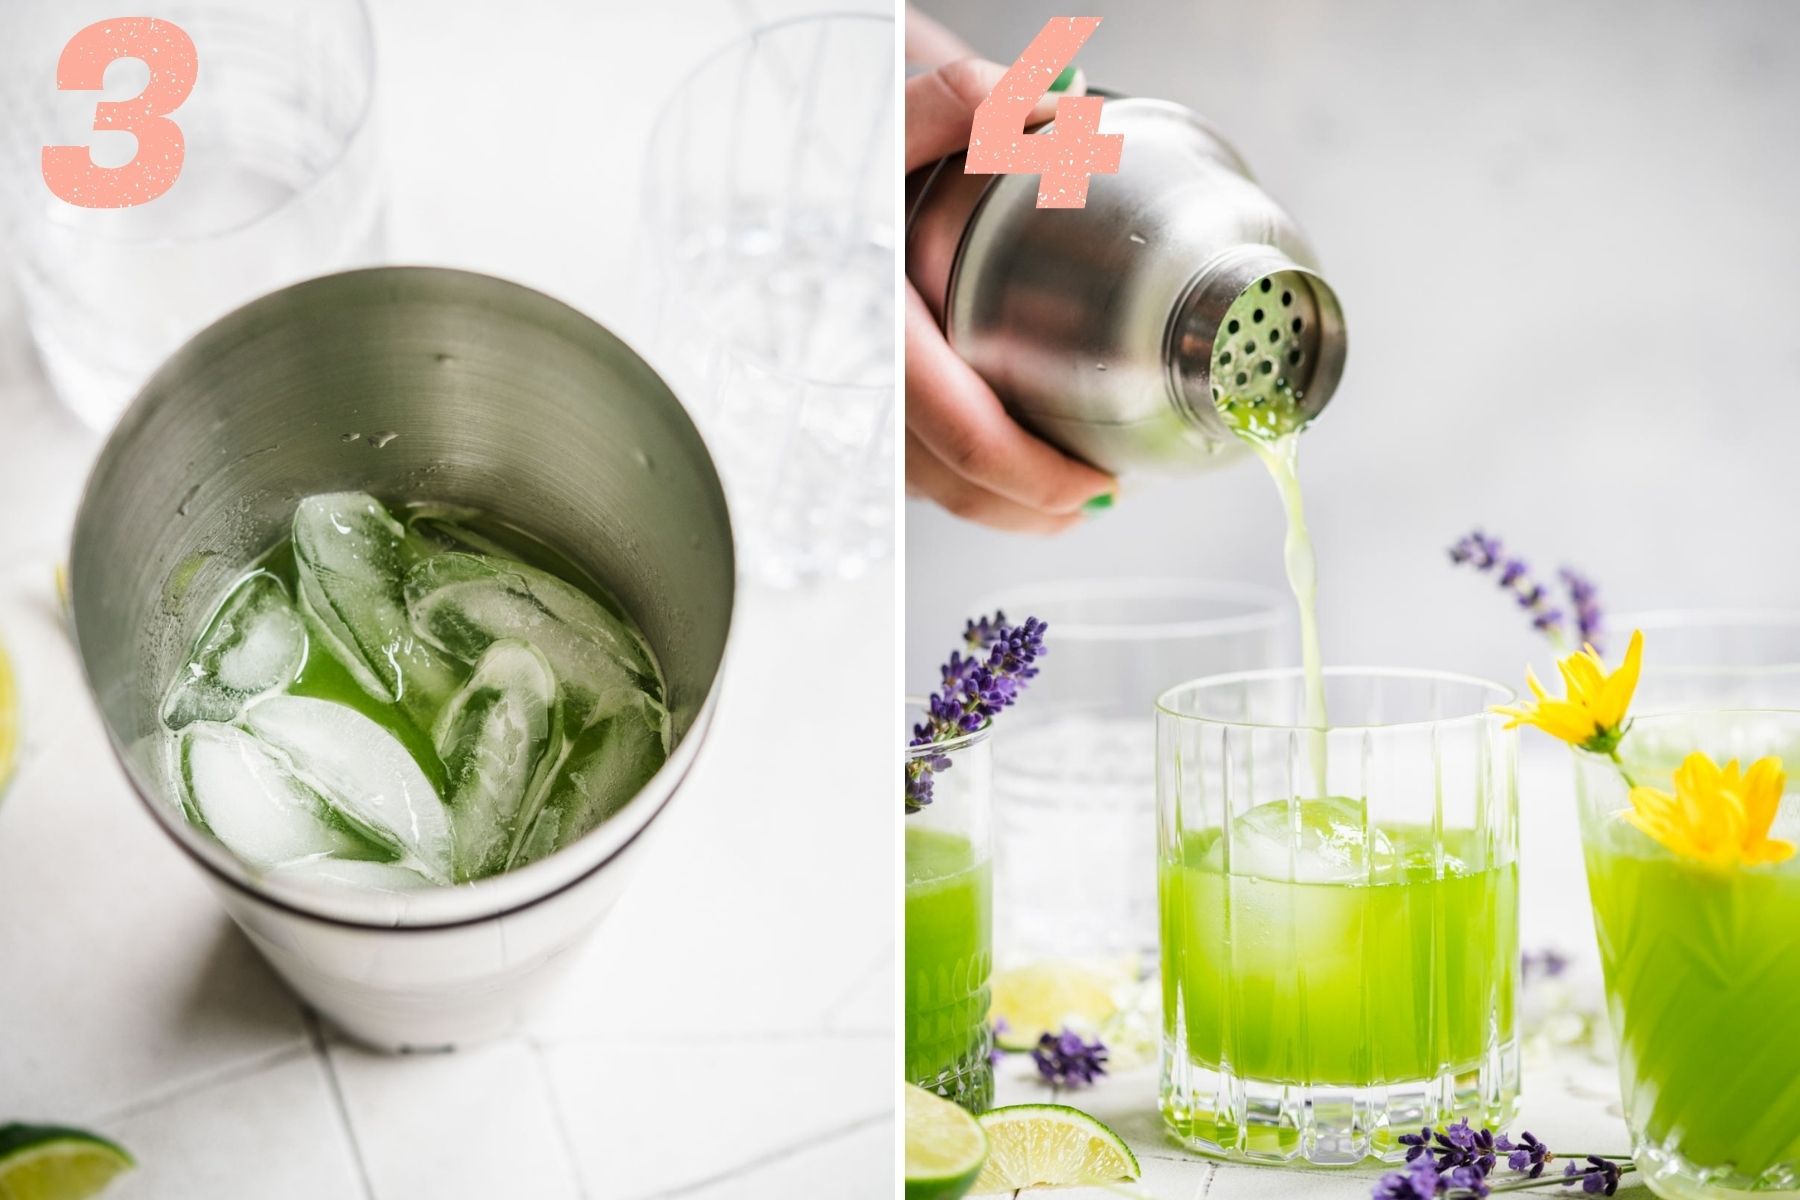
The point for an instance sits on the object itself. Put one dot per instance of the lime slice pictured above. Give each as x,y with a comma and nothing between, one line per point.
9,721
42,1162
1044,997
1051,1145
944,1147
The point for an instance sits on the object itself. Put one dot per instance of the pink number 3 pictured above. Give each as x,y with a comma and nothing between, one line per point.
1073,150
70,171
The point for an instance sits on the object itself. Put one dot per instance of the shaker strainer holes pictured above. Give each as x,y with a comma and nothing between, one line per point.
1225,358
1249,345
1243,377
1274,336
1297,325
1233,326
1265,366
1293,358
1287,299
1267,284
1257,316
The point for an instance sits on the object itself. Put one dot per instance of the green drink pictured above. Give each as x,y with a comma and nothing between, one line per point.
387,701
1336,971
1702,968
949,918
1395,977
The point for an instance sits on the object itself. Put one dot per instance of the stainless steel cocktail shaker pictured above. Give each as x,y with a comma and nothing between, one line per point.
1115,330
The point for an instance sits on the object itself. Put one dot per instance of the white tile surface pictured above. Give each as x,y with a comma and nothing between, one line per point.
273,1134
478,1122
724,1035
650,1119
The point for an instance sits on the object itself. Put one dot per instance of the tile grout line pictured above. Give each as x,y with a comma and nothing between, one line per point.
557,1116
193,1087
322,1053
864,976
773,1157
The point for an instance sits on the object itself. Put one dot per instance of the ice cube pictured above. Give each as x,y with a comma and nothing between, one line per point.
351,557
363,770
254,644
244,793
604,769
331,872
1324,842
447,527
464,602
499,739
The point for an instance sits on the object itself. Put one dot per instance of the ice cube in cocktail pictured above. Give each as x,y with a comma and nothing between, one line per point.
389,704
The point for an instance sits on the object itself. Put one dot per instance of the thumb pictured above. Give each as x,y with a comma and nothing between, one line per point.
941,104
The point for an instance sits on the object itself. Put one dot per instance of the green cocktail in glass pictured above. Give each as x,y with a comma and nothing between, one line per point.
1404,972
949,916
949,926
1702,966
1337,968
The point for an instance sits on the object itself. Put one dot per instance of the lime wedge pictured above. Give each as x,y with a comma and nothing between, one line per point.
1051,1145
944,1147
42,1162
1044,997
9,721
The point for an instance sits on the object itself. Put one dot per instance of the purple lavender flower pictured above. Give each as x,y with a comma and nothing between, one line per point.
1468,1178
1416,1143
974,688
1597,1176
1067,1059
1527,1155
1547,963
1585,598
1488,555
1459,1145
1420,1181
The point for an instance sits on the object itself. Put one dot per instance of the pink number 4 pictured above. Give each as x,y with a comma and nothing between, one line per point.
70,171
1073,150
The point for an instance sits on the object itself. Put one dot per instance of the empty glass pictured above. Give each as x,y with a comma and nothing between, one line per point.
1339,912
1075,760
278,183
1714,658
769,215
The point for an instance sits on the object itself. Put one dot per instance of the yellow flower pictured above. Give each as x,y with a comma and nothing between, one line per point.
1593,716
1718,817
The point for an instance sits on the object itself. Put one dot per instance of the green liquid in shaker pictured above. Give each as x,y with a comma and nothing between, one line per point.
391,700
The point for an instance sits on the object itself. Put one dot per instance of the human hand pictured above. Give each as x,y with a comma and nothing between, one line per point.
963,450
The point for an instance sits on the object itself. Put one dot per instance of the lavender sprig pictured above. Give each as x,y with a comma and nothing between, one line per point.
1457,1161
1065,1058
975,687
1488,555
1547,963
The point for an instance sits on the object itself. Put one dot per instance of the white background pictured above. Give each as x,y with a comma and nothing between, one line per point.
1564,236
729,1032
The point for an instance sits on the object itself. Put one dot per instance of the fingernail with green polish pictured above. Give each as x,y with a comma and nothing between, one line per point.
1098,504
1065,79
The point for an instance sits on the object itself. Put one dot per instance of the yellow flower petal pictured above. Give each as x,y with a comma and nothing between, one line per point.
1717,815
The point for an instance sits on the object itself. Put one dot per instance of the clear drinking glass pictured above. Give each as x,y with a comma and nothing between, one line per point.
949,918
769,217
1702,965
1339,912
1075,765
1714,658
278,183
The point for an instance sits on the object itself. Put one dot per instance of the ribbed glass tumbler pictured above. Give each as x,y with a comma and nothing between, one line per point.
1339,913
949,916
